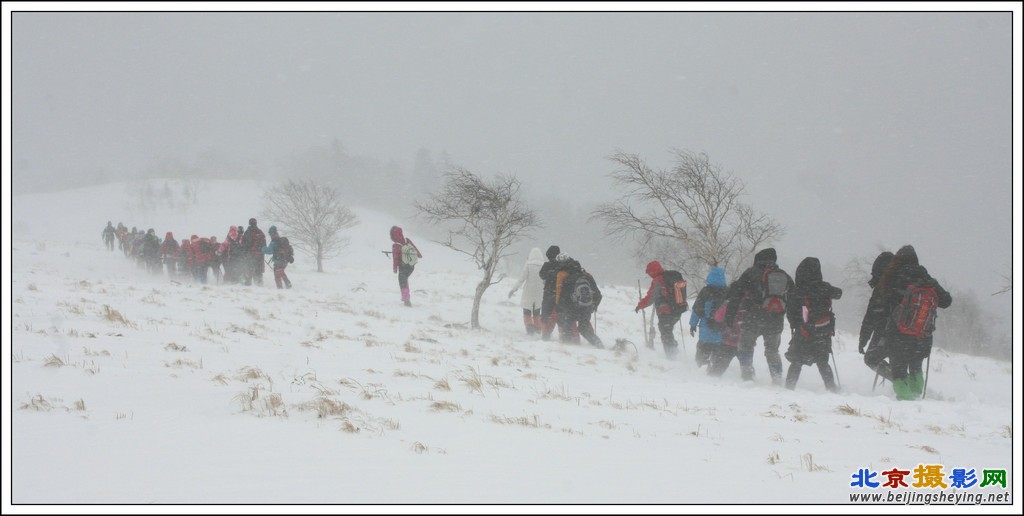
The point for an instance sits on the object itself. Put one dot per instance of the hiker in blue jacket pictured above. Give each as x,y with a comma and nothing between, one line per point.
708,300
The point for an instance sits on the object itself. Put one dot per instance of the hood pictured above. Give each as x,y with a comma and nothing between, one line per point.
716,277
233,233
553,253
169,236
808,272
396,235
907,254
536,257
765,256
877,268
184,242
654,269
195,238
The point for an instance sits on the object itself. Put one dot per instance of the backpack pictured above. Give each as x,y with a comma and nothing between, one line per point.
675,287
409,254
205,246
583,294
712,302
716,320
915,313
818,318
284,250
774,285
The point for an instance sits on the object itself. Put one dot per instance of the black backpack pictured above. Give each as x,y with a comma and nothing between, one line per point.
284,250
675,292
583,292
817,316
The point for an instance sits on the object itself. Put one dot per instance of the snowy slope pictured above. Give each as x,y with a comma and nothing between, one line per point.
127,388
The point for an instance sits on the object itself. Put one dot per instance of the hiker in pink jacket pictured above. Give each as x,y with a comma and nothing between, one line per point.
404,255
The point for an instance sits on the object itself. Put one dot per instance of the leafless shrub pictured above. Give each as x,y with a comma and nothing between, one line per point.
347,426
38,403
446,406
114,316
929,449
807,461
221,379
419,447
80,405
241,329
254,313
71,308
847,410
773,458
175,347
409,348
442,385
487,218
54,361
179,363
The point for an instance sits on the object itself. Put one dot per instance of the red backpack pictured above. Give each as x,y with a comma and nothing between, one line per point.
915,313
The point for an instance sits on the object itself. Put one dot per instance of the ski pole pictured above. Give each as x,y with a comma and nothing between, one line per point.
928,368
838,383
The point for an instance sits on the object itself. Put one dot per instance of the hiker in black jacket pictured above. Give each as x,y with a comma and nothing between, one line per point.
760,291
809,311
876,317
909,345
548,311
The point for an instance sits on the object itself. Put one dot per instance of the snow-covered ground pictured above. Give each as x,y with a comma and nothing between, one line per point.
128,388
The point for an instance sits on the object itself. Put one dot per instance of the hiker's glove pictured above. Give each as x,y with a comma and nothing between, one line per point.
637,309
860,347
693,330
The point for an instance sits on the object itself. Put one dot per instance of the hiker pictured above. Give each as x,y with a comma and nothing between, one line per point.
872,327
108,235
578,298
548,311
709,299
169,251
404,256
185,258
253,241
215,260
122,237
202,252
232,255
812,323
281,254
660,295
533,291
912,298
150,248
761,292
722,355
567,327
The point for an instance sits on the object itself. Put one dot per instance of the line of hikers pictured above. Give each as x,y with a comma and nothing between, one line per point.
240,254
895,336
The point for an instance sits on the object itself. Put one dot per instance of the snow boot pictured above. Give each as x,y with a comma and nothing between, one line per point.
915,382
903,390
405,297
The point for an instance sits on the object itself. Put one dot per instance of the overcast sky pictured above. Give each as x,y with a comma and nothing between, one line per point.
853,130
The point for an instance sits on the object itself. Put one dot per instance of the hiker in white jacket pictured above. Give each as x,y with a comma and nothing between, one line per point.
533,292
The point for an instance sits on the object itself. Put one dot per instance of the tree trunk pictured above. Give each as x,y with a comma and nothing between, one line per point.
480,289
319,258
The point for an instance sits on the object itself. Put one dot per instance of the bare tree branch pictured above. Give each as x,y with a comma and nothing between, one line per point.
690,216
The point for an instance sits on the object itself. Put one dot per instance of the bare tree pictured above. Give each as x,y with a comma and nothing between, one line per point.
691,213
1007,284
313,215
488,217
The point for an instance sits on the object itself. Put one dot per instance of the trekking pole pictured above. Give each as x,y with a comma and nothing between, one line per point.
928,367
874,383
682,334
838,383
647,341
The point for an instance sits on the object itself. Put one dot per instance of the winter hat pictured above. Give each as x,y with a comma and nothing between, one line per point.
169,236
252,222
808,272
765,256
553,252
272,230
